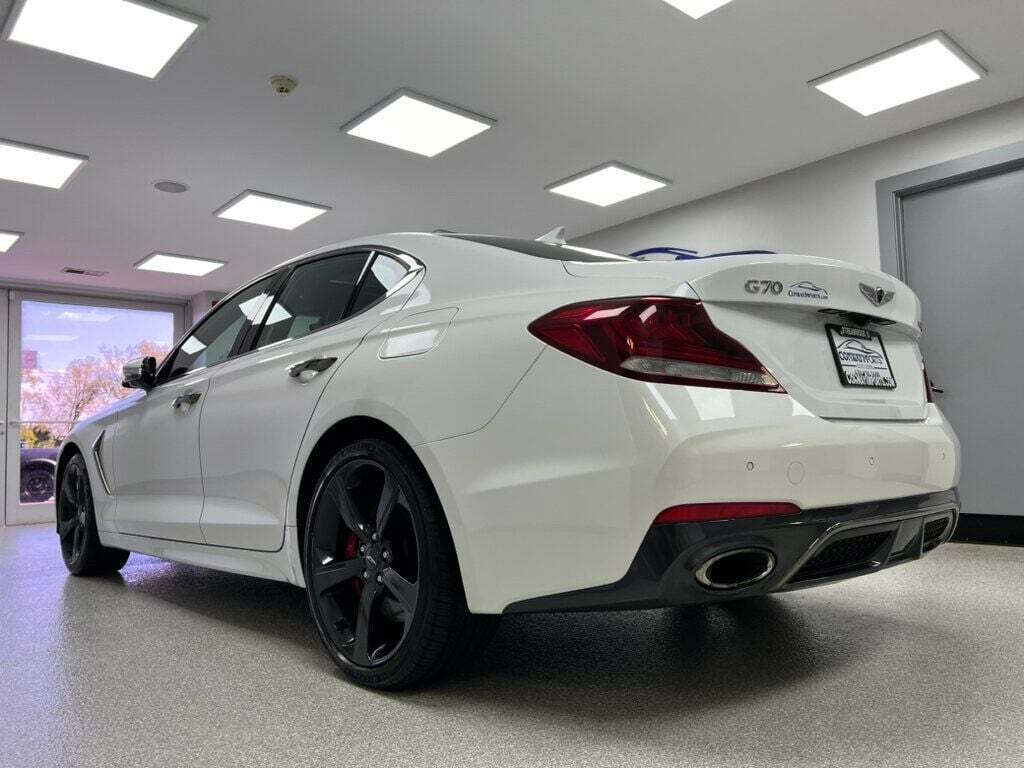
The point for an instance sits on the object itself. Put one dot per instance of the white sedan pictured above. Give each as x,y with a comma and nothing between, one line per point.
429,430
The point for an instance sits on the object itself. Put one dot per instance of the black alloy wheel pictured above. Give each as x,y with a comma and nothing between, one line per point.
80,545
381,572
36,485
365,562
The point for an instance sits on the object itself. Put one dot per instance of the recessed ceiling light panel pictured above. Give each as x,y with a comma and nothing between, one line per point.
270,210
607,184
416,123
37,165
697,8
7,239
132,35
178,265
912,71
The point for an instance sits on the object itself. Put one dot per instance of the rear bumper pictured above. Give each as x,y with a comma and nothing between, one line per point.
816,547
558,492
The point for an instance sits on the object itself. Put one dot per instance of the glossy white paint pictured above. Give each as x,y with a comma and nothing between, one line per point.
550,471
558,491
279,566
417,334
156,476
253,425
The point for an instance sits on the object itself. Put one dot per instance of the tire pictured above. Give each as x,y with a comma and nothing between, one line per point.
36,485
382,577
80,545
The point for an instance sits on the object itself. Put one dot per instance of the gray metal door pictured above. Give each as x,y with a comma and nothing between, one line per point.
964,250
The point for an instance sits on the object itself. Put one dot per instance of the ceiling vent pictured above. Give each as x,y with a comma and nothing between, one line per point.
86,272
171,187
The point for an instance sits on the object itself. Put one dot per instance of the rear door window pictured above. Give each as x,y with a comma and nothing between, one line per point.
315,296
383,275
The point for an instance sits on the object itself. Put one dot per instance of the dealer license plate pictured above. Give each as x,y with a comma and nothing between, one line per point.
860,357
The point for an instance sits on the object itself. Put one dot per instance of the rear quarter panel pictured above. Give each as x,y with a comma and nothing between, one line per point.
457,387
454,388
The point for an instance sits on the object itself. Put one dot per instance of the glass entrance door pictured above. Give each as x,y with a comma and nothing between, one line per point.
64,361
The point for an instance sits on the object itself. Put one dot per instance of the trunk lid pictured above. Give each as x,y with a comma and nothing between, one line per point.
780,307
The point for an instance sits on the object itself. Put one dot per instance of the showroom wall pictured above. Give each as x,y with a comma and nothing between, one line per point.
826,208
201,303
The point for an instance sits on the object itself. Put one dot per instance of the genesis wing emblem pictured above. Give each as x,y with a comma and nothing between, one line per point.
876,295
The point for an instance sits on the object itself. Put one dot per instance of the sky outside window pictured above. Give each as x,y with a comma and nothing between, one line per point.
71,356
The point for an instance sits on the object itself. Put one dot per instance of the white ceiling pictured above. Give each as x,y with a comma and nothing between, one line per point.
708,104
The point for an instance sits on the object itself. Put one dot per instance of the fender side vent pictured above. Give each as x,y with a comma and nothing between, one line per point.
97,456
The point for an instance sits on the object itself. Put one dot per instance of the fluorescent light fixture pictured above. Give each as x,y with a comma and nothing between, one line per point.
909,72
132,35
416,123
269,210
7,239
697,8
37,165
178,265
607,184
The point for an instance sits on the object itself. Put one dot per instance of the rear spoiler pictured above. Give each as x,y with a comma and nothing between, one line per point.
685,254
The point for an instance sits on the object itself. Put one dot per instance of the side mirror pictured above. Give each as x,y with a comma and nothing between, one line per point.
140,373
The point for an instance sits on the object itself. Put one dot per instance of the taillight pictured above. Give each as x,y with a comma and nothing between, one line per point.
703,513
927,385
657,338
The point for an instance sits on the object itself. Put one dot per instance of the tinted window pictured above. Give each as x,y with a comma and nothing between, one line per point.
544,250
383,275
315,296
213,341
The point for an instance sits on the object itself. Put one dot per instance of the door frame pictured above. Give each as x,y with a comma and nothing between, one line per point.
13,511
5,345
890,193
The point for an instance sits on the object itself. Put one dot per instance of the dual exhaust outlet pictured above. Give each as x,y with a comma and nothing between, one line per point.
736,568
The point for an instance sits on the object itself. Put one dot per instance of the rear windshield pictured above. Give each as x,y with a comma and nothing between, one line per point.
543,250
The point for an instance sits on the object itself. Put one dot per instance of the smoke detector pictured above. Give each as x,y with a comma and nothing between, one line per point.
283,84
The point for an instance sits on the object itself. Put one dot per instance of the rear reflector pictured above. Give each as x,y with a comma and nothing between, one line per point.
703,513
667,340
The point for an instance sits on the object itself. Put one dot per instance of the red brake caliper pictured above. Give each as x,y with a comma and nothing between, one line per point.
352,552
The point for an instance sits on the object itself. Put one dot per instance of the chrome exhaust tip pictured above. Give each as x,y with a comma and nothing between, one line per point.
736,568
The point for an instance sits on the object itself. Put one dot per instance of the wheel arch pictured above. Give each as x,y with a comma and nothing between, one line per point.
359,426
333,439
68,450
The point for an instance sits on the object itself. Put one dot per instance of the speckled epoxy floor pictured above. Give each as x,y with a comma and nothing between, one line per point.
171,665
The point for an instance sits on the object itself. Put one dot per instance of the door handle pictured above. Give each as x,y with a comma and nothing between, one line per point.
188,399
306,370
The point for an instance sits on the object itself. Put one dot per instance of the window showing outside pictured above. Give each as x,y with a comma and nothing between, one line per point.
385,274
216,336
71,358
316,296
